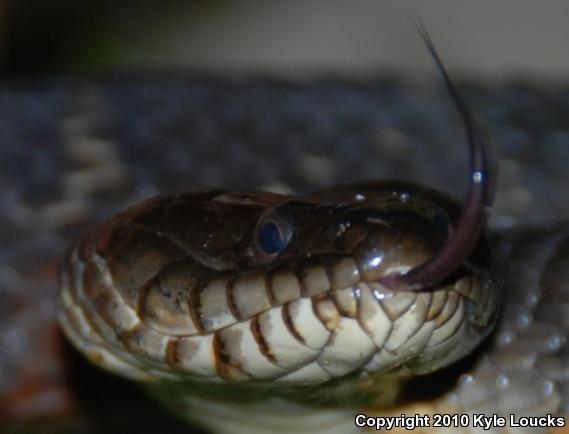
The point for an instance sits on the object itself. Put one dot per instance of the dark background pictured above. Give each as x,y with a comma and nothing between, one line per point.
492,39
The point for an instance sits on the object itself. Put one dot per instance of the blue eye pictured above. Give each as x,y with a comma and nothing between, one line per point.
271,239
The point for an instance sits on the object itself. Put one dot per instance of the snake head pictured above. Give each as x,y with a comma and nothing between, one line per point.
249,287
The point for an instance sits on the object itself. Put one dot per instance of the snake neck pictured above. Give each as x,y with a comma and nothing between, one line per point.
263,410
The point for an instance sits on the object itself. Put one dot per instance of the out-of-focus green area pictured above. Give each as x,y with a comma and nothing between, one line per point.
64,36
483,39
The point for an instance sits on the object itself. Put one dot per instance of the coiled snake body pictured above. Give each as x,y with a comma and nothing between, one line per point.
284,313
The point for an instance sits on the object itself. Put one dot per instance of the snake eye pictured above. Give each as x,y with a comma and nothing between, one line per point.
272,239
273,234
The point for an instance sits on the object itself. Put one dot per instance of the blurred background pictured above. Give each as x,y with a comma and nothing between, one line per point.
485,38
74,151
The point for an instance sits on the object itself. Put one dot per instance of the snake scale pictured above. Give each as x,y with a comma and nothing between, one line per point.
521,368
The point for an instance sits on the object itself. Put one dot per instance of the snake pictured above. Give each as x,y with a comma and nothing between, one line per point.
265,312
91,146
